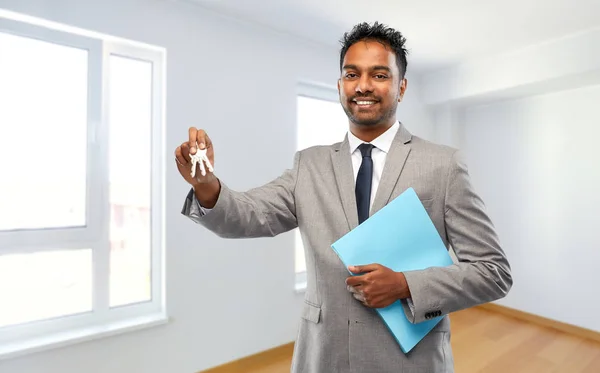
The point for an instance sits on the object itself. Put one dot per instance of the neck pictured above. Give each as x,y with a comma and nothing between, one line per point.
369,133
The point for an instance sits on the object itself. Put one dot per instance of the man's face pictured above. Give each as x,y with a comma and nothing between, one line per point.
370,86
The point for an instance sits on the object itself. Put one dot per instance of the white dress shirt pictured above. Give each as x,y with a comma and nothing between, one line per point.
378,154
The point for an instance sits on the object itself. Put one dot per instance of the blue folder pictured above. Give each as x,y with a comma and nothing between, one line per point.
402,237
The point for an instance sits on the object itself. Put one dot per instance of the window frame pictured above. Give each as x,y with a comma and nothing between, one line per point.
102,320
317,91
36,240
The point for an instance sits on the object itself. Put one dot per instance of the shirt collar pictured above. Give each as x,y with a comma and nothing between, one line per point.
383,142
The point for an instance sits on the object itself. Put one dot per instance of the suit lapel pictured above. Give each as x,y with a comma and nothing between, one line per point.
394,164
344,176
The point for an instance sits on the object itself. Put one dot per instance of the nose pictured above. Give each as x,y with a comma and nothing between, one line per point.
364,84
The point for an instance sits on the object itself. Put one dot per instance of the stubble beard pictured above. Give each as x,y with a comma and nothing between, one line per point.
369,122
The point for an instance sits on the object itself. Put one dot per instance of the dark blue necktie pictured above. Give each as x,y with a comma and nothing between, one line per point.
363,182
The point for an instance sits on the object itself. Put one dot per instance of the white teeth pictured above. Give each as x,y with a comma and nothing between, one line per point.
365,102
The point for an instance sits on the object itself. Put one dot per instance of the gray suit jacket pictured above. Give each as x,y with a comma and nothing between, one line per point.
337,333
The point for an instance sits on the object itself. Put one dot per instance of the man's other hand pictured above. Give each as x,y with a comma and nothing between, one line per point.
377,286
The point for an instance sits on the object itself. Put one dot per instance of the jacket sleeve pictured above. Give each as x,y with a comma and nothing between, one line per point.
265,211
482,273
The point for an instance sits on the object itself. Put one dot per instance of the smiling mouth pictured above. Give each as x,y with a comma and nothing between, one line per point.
364,103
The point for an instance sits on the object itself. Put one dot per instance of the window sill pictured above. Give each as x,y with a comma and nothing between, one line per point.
62,339
300,282
300,287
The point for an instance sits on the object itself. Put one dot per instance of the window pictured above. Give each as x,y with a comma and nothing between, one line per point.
321,121
80,204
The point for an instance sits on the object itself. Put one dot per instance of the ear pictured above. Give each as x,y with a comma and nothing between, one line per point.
338,85
403,85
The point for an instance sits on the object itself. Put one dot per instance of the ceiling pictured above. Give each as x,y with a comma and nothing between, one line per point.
438,32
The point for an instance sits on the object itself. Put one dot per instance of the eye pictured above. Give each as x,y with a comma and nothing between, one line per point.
381,76
351,75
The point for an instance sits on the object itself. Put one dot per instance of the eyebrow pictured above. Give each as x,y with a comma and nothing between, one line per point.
377,67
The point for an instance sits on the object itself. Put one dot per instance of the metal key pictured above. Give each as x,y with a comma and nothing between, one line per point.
198,159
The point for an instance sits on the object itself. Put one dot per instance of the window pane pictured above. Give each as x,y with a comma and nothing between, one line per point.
43,134
320,122
36,286
300,261
130,139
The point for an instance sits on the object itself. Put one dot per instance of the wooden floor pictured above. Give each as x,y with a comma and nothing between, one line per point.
489,342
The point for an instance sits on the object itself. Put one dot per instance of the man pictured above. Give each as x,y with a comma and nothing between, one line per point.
332,189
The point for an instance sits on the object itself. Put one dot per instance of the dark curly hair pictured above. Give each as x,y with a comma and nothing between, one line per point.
381,33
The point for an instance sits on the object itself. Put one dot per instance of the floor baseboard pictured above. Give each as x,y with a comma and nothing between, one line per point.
539,320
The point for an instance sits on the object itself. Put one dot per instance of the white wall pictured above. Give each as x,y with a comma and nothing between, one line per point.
536,163
227,299
571,61
527,121
413,113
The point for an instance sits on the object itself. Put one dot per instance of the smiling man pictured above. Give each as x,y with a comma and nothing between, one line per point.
332,189
372,81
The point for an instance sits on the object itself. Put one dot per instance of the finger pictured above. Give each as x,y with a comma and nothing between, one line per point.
181,160
193,139
185,152
364,268
355,280
359,297
201,139
354,289
205,140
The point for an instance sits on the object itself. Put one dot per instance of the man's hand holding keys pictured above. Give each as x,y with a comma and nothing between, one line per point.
195,161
